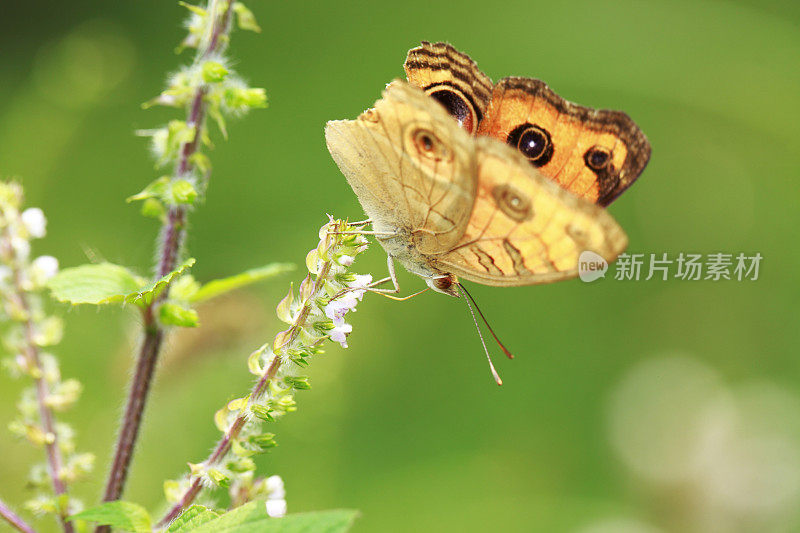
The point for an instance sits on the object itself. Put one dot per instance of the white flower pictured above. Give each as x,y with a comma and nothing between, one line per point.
34,221
346,260
339,307
22,248
359,284
275,487
45,267
276,508
339,333
276,498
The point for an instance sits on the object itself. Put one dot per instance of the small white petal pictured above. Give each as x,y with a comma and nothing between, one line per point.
336,309
339,333
22,248
276,508
360,284
46,266
275,487
346,260
361,281
34,221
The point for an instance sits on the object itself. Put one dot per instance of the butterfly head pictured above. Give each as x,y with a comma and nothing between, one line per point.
445,284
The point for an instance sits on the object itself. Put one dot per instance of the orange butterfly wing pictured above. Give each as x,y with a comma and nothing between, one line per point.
595,154
451,78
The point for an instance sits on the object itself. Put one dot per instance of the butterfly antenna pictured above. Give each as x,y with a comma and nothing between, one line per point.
480,335
505,350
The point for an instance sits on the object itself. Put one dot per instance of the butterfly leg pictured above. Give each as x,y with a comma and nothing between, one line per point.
372,287
360,223
374,233
392,277
395,285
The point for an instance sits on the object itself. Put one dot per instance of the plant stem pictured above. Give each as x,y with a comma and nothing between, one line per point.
31,353
221,448
14,519
224,444
137,397
173,234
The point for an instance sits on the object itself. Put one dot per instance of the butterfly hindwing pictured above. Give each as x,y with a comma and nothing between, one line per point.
594,153
524,229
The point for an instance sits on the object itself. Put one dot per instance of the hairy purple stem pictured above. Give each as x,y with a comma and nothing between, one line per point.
173,234
14,519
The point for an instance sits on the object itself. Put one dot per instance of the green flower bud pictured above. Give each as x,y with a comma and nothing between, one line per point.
183,192
213,72
299,383
153,208
245,18
244,98
218,477
262,411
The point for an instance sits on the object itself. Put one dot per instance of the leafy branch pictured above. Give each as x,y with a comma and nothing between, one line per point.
206,88
213,26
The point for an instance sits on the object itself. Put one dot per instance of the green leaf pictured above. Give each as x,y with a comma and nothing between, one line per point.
252,518
156,189
221,286
153,290
165,189
108,283
123,515
174,315
183,288
95,284
192,518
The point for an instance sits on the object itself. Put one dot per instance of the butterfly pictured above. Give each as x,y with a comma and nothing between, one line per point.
449,202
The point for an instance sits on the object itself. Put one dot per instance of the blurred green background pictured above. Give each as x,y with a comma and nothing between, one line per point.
631,406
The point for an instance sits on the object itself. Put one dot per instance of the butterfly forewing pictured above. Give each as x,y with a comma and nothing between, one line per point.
410,165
